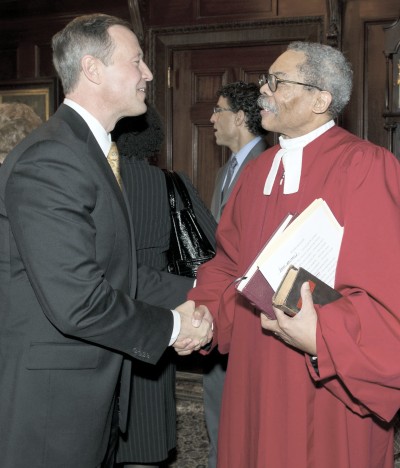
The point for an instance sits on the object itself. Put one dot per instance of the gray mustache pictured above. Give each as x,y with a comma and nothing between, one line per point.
262,102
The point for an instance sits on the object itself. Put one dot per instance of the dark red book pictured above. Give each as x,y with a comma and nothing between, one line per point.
259,292
253,284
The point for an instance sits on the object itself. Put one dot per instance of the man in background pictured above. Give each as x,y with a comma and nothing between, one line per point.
70,326
237,124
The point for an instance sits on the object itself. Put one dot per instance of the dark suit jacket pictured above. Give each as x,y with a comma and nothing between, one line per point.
67,277
217,205
151,431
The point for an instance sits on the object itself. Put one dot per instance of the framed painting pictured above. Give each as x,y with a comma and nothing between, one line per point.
41,94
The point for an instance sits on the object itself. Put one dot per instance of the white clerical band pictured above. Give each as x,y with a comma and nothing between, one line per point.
291,154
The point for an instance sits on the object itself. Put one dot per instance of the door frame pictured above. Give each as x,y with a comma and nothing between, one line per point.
163,42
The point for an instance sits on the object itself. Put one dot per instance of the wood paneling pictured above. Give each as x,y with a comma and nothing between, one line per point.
374,84
363,44
199,73
26,28
212,9
201,60
167,13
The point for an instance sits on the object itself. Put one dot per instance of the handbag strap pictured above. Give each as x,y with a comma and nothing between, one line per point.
170,190
173,180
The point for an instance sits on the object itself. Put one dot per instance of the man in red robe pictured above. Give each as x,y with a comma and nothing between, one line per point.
318,390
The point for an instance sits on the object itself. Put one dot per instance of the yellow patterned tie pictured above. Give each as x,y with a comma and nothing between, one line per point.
113,160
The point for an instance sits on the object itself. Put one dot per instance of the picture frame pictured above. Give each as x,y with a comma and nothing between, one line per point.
41,94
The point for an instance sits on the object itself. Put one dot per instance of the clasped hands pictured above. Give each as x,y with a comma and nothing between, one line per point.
299,331
196,328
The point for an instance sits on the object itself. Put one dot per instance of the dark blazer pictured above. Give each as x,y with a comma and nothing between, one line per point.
151,431
67,277
217,205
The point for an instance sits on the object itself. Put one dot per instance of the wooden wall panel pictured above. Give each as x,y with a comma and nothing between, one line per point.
363,44
8,68
167,13
211,9
26,29
374,83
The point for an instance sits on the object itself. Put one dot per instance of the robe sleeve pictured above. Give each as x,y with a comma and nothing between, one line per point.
221,273
358,336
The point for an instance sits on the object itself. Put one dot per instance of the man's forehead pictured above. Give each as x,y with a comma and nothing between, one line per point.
124,38
222,100
287,63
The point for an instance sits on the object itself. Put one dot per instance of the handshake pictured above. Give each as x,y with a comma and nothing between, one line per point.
196,328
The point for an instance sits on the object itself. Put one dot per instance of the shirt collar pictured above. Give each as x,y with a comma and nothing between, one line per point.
245,150
102,137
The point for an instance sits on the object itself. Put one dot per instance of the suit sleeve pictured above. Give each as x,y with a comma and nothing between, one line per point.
161,288
58,213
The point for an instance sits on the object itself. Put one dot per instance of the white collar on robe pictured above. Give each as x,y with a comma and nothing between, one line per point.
291,153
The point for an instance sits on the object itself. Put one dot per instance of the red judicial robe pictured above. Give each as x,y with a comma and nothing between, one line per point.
277,412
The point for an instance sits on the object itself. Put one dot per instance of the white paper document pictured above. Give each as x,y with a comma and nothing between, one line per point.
311,241
260,258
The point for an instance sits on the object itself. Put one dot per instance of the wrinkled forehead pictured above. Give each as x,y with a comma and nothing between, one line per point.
287,64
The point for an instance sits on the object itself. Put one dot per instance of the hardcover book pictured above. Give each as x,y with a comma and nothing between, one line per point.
288,297
311,240
259,292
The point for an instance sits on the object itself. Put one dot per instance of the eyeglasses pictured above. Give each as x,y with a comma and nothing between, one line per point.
273,82
218,109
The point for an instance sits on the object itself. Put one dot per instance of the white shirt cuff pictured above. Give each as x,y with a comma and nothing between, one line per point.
177,327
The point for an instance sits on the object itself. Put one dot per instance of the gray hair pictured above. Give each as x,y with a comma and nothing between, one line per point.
328,69
85,35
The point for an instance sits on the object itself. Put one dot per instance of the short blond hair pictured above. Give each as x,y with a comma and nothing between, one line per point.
17,120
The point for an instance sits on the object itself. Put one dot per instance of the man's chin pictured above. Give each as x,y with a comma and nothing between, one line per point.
139,109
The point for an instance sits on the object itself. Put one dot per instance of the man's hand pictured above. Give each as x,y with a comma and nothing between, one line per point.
196,328
298,331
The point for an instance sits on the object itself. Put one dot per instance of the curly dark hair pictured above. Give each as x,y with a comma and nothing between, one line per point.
243,96
140,137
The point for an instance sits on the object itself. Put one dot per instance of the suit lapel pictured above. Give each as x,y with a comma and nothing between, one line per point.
216,199
94,152
255,151
98,159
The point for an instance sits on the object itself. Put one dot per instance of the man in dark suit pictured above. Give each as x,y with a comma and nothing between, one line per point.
68,271
237,123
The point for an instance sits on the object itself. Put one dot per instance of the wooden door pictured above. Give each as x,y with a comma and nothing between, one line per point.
196,75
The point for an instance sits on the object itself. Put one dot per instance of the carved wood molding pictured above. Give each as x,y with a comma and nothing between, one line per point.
136,18
334,33
236,26
392,86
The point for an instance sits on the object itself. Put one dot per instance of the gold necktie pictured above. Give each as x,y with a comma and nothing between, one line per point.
113,160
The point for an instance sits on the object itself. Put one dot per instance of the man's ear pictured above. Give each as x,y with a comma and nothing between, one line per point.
240,118
322,103
90,68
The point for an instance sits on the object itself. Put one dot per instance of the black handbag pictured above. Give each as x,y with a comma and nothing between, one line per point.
189,247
